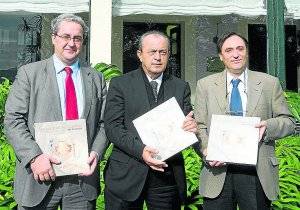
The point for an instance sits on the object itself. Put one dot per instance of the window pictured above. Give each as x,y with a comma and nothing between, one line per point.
19,42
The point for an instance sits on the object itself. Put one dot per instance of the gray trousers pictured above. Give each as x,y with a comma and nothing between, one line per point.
65,193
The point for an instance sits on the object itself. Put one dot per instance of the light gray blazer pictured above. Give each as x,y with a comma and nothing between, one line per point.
265,100
34,97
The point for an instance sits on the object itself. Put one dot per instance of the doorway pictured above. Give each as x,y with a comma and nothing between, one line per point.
132,31
257,37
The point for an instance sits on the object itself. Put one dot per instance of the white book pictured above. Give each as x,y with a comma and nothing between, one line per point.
233,139
161,128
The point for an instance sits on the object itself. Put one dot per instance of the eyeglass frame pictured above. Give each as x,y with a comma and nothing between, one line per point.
67,38
160,52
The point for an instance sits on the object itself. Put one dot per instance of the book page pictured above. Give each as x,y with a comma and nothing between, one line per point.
66,141
161,128
233,139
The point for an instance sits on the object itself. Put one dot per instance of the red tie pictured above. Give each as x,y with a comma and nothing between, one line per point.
71,100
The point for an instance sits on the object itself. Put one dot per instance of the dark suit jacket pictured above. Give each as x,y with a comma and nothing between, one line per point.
127,99
34,97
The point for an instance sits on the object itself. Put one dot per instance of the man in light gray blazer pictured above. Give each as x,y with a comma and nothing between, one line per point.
39,95
225,185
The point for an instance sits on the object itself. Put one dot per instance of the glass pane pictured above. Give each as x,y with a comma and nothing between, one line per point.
19,42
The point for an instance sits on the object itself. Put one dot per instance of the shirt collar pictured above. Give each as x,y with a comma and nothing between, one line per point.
59,65
158,79
242,77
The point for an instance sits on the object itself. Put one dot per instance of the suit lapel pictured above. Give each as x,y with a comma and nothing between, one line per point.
220,91
52,89
169,87
87,90
141,95
254,92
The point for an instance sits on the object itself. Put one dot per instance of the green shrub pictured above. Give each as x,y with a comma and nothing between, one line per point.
7,157
108,70
193,165
293,100
7,170
100,200
288,154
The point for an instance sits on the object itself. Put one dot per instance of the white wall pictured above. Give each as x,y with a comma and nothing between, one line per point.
100,31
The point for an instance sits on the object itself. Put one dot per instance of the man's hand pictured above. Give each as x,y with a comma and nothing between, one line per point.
216,163
189,124
93,162
41,167
262,129
213,163
148,154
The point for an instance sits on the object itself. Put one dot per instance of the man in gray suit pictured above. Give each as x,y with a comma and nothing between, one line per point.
225,185
42,92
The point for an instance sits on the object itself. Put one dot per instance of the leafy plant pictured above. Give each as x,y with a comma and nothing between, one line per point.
7,170
288,154
293,102
108,70
193,165
7,156
214,64
4,89
100,200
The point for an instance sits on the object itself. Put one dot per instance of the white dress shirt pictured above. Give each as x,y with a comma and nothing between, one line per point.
158,80
76,76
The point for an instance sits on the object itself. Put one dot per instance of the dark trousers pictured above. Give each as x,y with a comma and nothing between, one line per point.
160,193
242,188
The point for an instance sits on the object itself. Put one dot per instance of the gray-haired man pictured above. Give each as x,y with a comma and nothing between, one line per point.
39,95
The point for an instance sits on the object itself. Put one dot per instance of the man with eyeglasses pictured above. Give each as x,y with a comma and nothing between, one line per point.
132,174
240,91
58,88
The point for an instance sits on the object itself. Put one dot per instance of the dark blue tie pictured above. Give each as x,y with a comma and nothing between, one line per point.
236,107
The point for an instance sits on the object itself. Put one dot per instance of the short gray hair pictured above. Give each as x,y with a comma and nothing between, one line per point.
141,39
55,23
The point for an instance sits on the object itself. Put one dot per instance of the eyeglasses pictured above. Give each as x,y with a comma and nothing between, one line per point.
160,52
67,38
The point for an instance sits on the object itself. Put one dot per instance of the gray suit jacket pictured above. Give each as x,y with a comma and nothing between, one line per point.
34,97
265,100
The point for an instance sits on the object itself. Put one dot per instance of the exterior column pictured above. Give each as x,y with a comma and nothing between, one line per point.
100,31
276,40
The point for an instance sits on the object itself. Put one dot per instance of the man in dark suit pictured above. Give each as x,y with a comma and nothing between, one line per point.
225,185
132,175
55,89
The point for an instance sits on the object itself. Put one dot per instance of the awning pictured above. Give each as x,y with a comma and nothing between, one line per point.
189,7
293,7
45,6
